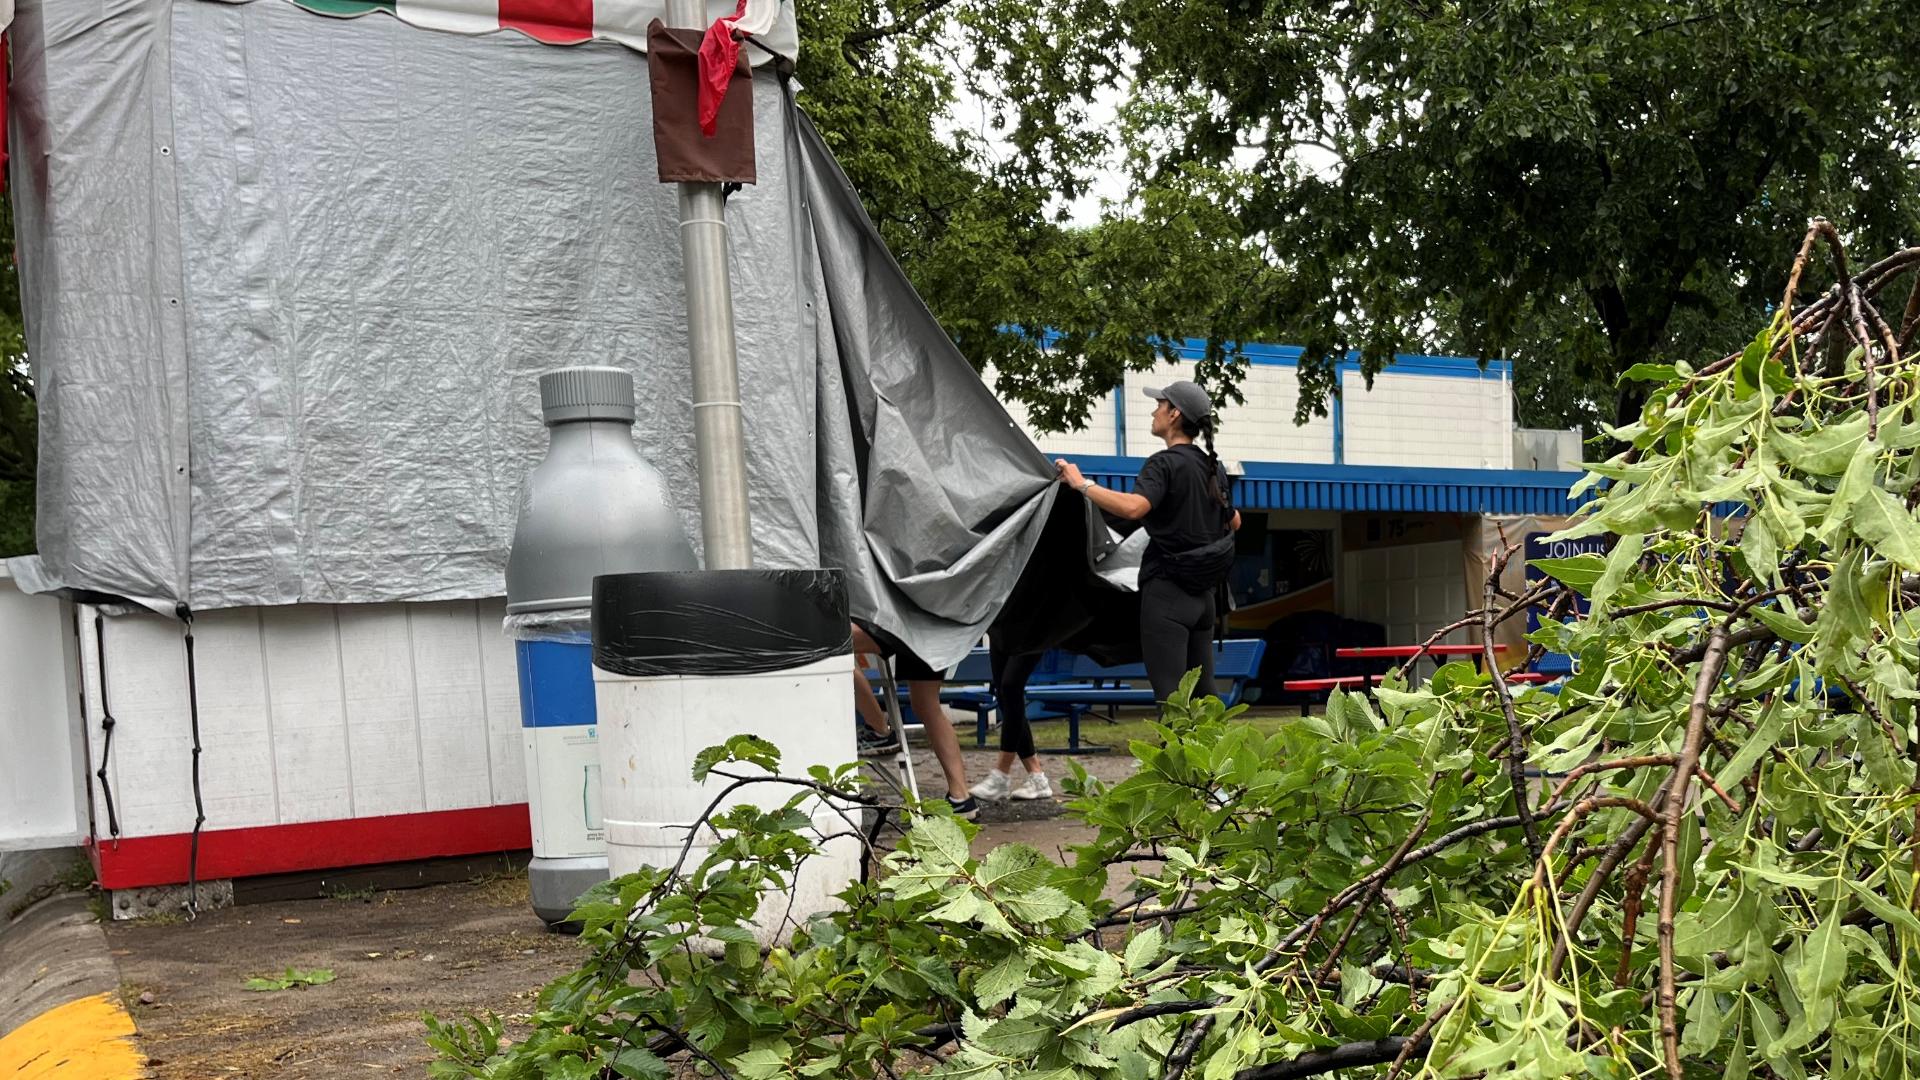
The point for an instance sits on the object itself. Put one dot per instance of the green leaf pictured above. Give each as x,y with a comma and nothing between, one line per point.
1013,868
1791,878
1826,452
1766,1035
733,935
1001,981
1705,1020
1889,912
1040,905
1883,521
1888,773
1845,618
1785,624
1653,373
748,749
1747,375
941,842
1144,948
1579,572
1620,561
1719,924
1823,962
1766,732
1018,1036
639,1063
289,979
763,1063
1358,1026
1853,487
1759,548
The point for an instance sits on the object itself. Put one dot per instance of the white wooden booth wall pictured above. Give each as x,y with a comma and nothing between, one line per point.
42,752
308,714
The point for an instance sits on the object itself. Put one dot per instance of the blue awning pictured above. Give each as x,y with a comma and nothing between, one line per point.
1273,485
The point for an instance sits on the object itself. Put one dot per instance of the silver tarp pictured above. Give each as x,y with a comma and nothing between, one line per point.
288,280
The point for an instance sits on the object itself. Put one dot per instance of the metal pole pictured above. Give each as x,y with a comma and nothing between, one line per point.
718,435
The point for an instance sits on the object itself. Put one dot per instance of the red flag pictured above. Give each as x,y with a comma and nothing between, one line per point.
719,55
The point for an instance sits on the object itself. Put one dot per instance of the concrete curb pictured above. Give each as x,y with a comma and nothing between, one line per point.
61,1017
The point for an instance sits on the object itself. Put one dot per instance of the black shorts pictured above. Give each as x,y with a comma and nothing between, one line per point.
907,667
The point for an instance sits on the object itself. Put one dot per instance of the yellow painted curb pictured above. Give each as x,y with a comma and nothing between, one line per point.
88,1039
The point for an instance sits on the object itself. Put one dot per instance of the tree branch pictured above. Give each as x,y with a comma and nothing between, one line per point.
1350,1056
1516,738
893,29
1713,661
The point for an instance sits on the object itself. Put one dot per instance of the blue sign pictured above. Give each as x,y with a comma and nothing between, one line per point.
1538,547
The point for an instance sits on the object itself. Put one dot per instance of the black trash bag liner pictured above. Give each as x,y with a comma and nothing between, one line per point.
718,622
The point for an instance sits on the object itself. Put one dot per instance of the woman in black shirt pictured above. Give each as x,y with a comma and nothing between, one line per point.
1182,496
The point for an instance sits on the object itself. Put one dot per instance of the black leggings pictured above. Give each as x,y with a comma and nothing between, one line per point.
1176,636
1010,675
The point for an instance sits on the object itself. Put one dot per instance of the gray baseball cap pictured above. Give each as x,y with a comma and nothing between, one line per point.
1192,401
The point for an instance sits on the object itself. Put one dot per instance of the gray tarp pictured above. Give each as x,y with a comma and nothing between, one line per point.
288,280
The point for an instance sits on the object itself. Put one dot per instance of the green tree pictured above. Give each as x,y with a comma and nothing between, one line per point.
18,432
979,228
1579,186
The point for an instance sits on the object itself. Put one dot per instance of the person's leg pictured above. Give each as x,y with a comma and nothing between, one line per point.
925,695
1010,692
1200,647
997,664
1010,675
864,701
1163,636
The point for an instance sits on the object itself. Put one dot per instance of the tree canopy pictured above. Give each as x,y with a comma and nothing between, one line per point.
1578,186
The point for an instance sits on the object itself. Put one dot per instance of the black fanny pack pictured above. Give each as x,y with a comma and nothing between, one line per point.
1198,570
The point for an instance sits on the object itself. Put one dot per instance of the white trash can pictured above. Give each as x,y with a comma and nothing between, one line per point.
684,661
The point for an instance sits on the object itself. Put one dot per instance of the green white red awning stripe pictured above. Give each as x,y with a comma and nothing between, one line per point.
555,22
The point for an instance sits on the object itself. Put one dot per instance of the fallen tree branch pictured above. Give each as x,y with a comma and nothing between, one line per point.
1350,1056
1516,737
1713,661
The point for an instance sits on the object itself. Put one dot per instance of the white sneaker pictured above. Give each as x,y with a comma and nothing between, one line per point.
994,787
1035,787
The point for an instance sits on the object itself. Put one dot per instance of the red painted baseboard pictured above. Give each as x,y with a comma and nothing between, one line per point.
140,861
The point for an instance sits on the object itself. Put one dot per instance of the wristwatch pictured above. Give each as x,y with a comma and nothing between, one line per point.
1082,489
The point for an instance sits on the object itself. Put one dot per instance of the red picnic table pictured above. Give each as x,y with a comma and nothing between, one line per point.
1401,652
1391,652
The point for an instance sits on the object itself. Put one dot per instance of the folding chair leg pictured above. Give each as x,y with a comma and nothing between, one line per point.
904,779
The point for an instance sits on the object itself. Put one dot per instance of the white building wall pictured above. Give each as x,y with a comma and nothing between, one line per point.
1432,420
1436,421
1096,439
307,713
1260,429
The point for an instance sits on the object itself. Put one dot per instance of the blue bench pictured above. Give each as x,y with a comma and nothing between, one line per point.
1235,661
970,687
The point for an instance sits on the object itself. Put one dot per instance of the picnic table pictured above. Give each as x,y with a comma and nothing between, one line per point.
1382,652
1401,652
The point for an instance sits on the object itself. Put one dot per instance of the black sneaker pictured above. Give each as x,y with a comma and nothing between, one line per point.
873,743
966,808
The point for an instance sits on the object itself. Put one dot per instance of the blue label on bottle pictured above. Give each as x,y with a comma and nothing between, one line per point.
556,683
